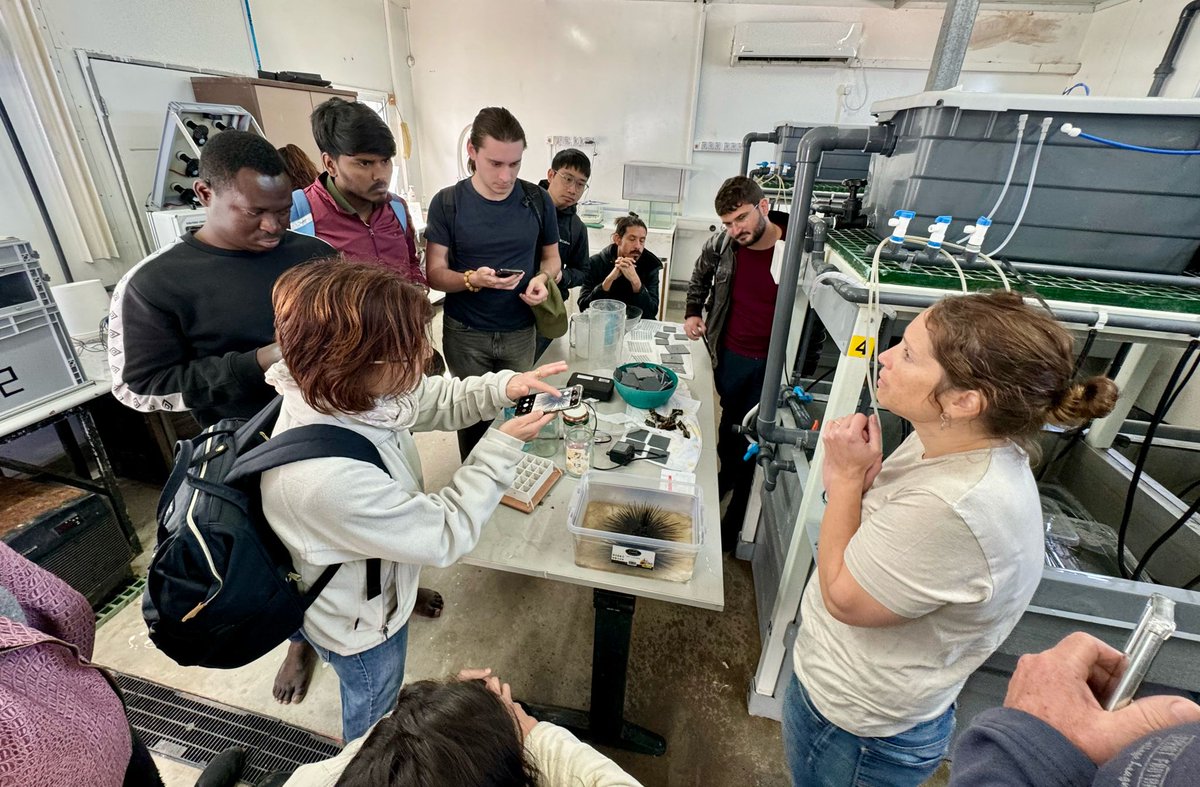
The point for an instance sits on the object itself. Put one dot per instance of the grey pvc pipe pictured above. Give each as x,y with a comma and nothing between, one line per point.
750,139
818,140
1167,66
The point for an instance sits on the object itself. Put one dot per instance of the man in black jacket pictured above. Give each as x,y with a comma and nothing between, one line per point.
625,270
192,326
567,181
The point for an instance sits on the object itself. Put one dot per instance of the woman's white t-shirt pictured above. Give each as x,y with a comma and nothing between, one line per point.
954,544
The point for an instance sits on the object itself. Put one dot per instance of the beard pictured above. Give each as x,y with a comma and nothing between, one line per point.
757,234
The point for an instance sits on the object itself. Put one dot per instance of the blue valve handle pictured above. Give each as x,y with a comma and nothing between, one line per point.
751,452
802,395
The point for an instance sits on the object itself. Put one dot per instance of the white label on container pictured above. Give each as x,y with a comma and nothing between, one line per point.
631,556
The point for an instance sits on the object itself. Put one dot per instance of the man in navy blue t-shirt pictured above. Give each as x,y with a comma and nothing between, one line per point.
491,245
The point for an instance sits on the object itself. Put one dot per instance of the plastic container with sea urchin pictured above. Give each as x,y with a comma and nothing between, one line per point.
629,525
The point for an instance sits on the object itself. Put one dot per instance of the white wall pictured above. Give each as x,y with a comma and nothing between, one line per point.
300,35
1126,42
623,72
616,70
211,34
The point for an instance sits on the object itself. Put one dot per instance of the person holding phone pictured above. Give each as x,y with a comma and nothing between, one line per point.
492,247
354,339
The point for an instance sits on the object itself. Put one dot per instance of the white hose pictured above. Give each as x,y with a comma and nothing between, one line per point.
1037,156
1012,166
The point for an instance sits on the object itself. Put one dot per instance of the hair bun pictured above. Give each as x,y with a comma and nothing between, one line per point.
1093,398
634,215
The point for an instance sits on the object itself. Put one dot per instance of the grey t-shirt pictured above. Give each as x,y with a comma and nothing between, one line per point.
955,545
495,234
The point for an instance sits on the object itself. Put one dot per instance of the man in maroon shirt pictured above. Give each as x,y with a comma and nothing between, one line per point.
733,280
349,205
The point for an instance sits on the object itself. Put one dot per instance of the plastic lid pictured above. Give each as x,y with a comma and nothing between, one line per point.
1032,102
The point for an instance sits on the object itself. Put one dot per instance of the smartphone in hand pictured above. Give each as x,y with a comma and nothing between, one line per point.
507,273
565,399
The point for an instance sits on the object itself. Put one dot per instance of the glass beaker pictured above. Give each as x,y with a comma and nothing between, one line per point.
606,332
579,450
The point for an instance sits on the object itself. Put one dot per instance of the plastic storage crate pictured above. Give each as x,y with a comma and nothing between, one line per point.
1091,205
629,554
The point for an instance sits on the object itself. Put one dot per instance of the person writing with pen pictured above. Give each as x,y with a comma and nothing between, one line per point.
492,246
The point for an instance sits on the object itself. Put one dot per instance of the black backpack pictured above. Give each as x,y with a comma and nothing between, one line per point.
221,589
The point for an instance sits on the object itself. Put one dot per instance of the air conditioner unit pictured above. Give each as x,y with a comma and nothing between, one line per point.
795,43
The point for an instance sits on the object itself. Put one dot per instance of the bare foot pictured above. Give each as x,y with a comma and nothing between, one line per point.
429,603
291,682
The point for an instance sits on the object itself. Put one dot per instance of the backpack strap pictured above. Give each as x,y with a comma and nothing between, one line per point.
301,216
449,210
314,441
401,213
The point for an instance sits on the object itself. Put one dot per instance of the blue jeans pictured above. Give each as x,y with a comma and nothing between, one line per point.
370,682
821,753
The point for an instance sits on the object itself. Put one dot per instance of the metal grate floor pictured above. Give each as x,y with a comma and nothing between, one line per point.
192,730
852,245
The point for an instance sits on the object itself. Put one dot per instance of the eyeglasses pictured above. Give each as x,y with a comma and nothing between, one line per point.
572,182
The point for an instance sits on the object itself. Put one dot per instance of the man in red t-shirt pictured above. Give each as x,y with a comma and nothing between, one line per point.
733,280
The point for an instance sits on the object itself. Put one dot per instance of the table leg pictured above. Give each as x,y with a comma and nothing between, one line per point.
66,436
605,722
108,478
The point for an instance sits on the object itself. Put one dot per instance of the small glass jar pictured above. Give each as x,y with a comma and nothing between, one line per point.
545,444
579,450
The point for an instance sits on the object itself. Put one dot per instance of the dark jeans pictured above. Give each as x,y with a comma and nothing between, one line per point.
739,382
470,353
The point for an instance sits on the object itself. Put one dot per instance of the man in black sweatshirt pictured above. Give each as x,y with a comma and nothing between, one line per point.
567,182
191,326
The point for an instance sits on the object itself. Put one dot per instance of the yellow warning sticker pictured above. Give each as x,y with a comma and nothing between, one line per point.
860,347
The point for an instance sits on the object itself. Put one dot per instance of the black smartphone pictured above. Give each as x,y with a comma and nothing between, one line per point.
565,399
507,273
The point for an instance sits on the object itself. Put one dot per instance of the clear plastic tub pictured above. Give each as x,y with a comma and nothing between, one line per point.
602,496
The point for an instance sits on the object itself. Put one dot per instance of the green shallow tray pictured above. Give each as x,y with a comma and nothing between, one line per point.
851,245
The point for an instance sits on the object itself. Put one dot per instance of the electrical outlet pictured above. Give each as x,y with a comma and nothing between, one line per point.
715,146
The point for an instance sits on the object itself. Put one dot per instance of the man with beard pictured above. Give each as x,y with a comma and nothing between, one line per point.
624,270
735,281
349,206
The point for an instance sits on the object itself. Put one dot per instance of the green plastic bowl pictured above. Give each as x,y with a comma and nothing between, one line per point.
645,400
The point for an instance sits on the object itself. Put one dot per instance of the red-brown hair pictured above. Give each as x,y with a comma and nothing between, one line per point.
334,318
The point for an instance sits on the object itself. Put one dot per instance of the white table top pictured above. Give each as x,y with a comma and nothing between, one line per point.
539,544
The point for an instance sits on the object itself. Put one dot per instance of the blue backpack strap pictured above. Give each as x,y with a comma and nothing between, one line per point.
401,213
301,216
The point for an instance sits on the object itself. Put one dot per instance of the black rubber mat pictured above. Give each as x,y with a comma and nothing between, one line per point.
192,730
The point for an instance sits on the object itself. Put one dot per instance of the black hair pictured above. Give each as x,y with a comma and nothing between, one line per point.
443,734
497,123
226,153
736,192
572,159
344,128
626,222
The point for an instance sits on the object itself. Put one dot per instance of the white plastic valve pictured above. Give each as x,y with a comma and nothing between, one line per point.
937,231
900,221
1069,130
977,232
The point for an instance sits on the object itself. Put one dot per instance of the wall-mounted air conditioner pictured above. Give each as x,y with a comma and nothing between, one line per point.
795,43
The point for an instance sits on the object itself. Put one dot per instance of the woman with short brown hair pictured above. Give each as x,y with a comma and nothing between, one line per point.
354,339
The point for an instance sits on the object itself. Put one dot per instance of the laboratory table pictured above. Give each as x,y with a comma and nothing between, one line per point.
539,545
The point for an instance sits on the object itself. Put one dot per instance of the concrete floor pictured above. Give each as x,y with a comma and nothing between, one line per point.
689,669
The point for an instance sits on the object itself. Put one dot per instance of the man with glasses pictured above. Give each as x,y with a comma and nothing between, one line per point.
567,182
735,280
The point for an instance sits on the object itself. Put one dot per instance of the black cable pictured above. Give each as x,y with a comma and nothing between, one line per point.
1188,488
1158,542
1160,412
658,455
1191,583
1083,354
